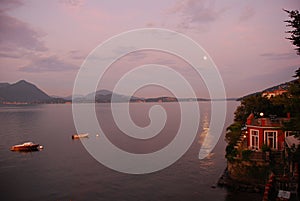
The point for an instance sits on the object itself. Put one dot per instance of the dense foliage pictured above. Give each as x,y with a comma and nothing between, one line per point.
233,133
293,104
258,104
277,106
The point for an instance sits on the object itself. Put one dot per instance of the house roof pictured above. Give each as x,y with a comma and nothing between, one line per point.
267,122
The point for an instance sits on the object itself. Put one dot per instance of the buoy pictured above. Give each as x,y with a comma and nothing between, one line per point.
97,135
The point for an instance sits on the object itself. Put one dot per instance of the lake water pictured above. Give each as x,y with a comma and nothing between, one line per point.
64,170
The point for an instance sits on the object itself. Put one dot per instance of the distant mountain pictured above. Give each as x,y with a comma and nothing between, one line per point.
104,96
25,92
69,98
280,86
162,99
22,91
4,84
55,96
270,89
103,92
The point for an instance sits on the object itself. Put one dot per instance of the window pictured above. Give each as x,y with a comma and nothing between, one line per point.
254,140
291,133
288,133
270,139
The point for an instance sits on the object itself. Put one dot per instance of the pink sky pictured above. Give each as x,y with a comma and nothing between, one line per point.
45,42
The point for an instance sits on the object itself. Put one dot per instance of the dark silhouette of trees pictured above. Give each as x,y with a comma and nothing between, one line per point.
294,22
293,104
257,104
293,101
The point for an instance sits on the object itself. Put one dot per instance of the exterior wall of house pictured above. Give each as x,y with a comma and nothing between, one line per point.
265,131
278,137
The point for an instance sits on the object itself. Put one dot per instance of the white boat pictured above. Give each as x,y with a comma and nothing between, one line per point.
26,146
82,135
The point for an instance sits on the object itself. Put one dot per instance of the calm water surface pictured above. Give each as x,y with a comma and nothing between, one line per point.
64,170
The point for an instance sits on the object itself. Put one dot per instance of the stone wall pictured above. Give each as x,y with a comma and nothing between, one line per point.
248,172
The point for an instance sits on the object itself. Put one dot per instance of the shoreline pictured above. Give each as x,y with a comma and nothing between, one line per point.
236,186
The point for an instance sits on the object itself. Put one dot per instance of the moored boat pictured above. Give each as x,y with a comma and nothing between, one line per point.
77,136
26,146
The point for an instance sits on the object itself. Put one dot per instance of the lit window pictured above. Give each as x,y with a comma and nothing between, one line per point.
254,140
270,139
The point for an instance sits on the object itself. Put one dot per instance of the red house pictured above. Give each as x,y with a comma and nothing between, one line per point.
265,131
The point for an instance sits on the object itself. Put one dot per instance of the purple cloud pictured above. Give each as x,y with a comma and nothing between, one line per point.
247,13
48,64
77,55
16,36
7,5
195,13
280,56
73,3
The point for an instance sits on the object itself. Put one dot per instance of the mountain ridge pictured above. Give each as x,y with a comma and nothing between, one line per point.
22,91
284,85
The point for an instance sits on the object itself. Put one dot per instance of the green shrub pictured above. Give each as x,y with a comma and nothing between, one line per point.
233,133
246,155
231,152
265,148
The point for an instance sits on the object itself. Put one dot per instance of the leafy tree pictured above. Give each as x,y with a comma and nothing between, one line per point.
293,104
279,104
293,101
297,74
294,22
256,104
231,152
233,133
246,154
